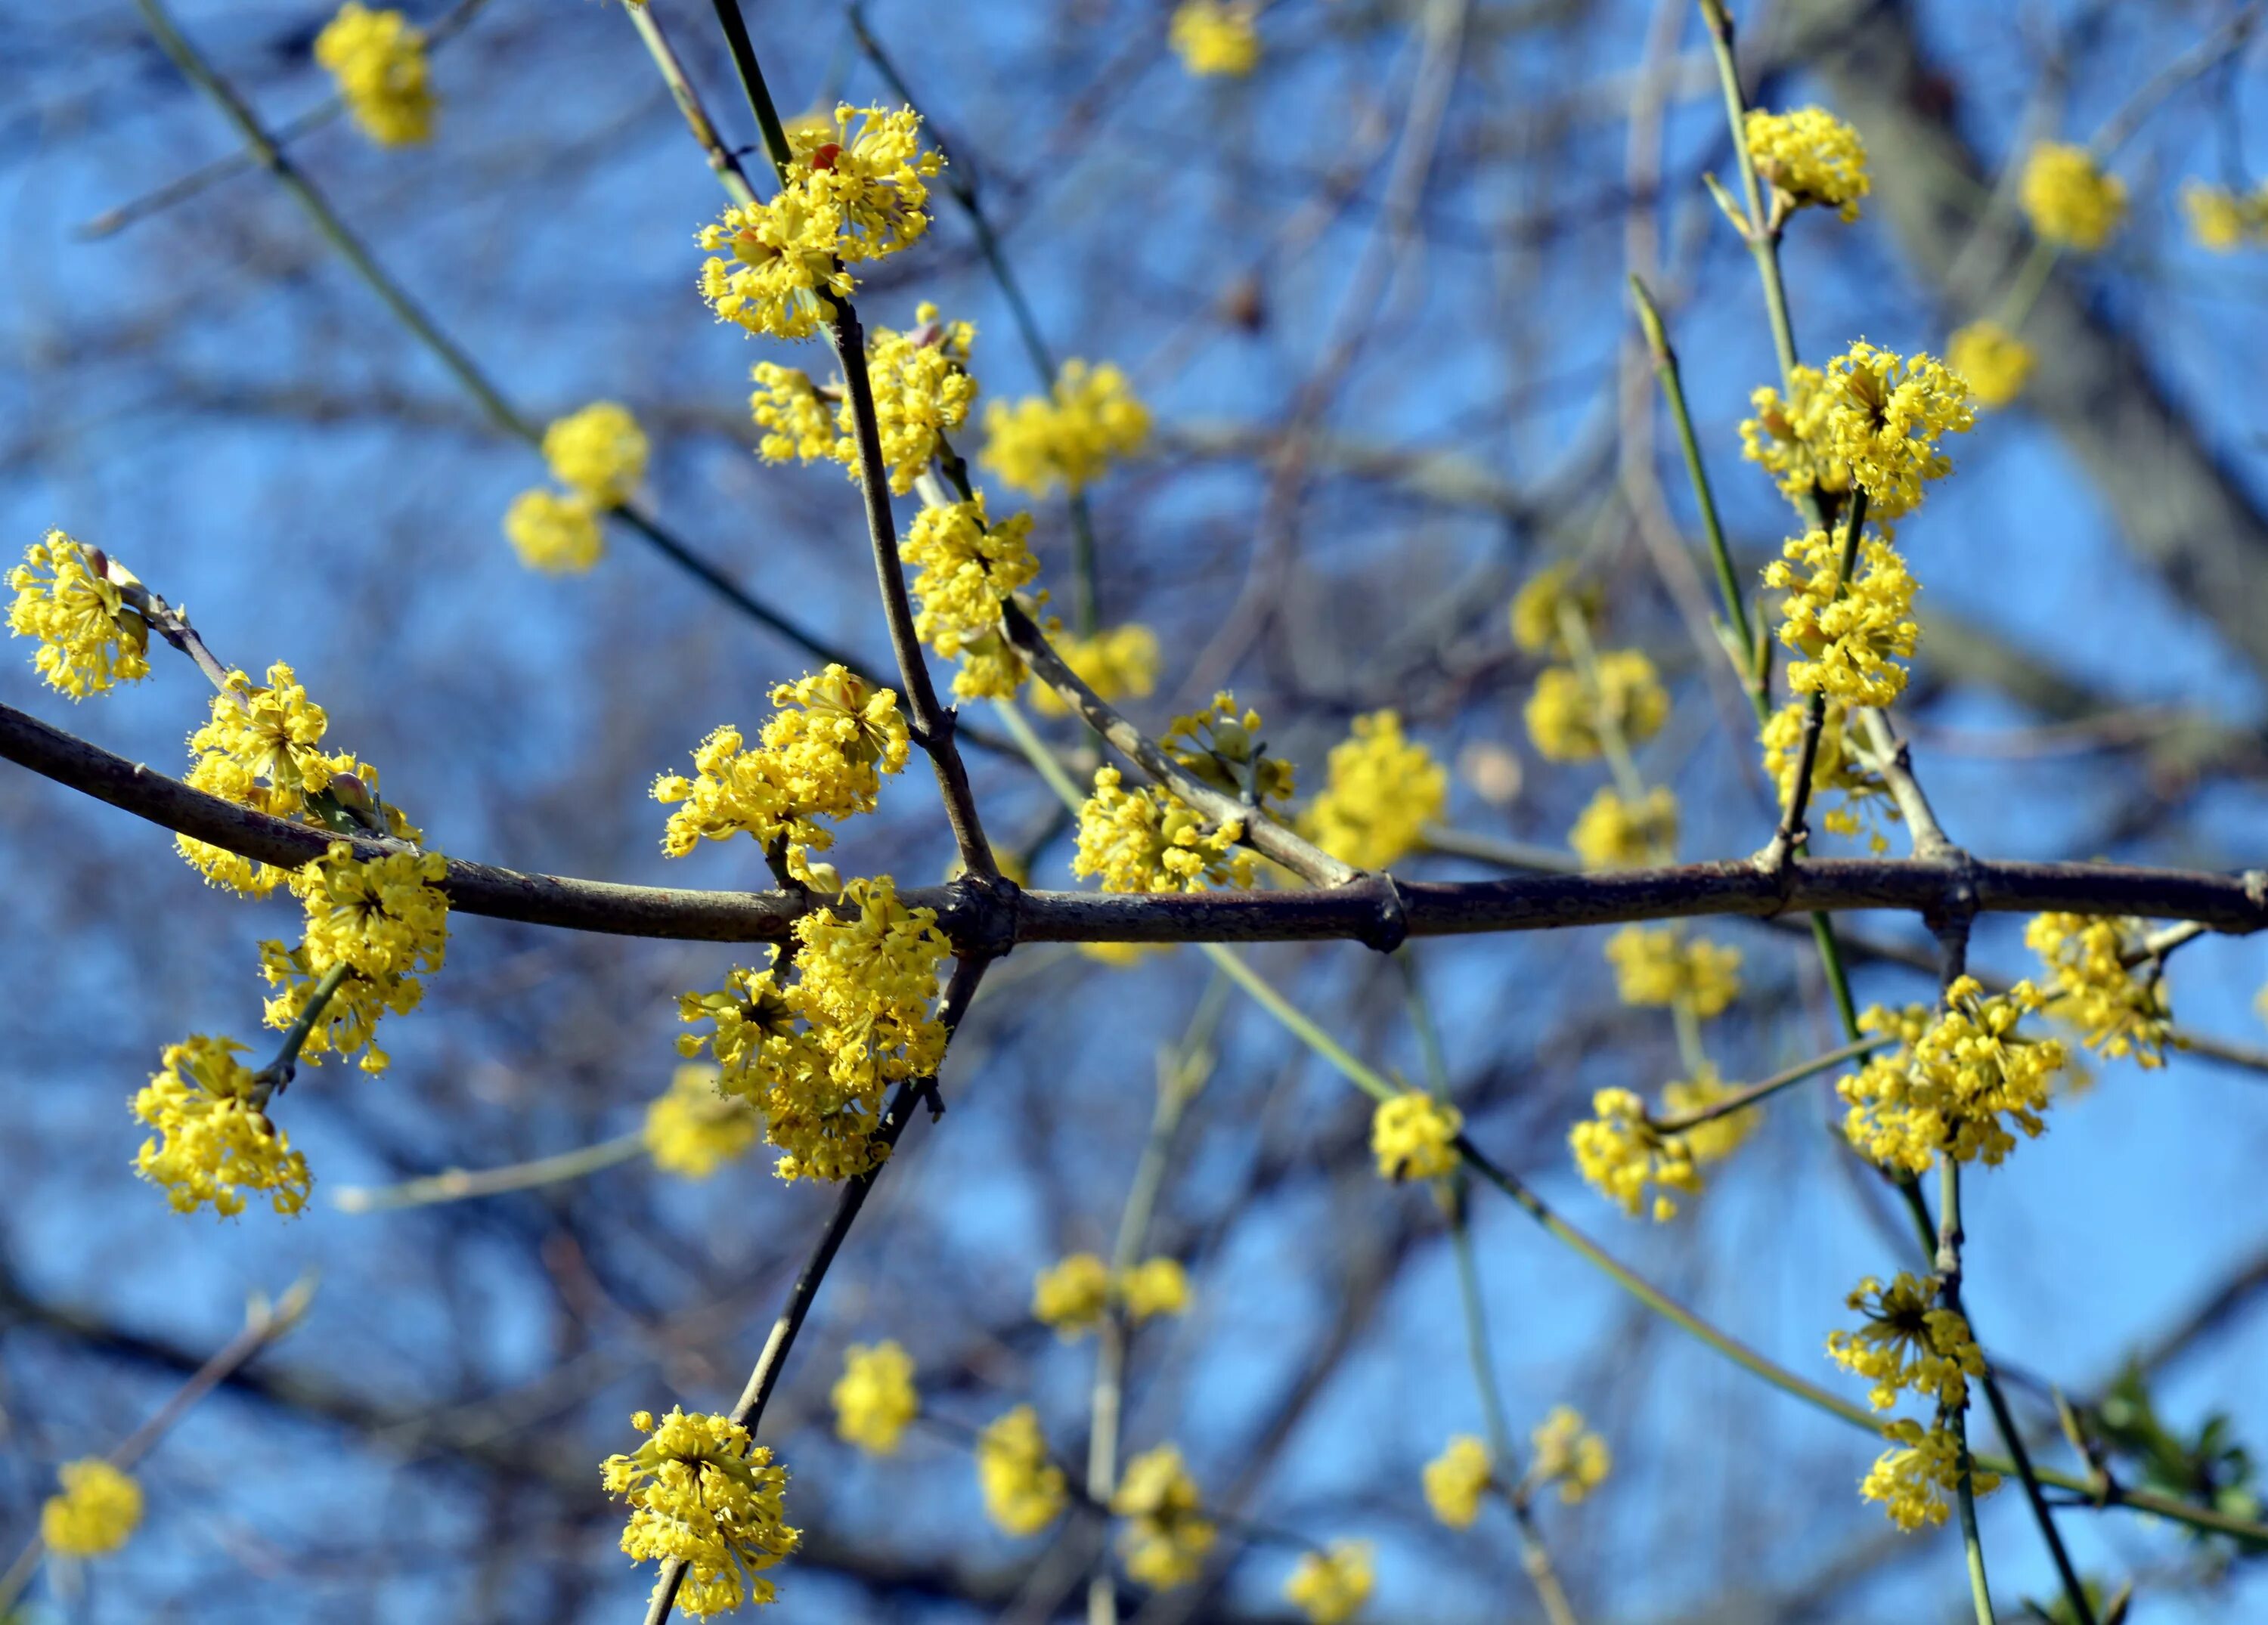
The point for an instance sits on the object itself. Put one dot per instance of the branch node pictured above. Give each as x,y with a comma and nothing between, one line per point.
1390,929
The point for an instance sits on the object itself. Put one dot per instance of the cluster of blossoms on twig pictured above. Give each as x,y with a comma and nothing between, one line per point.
68,597
2090,966
1381,791
1067,438
1147,839
1956,1081
1810,159
875,1398
1911,1342
1568,1456
1167,1535
2224,220
93,1512
1075,1294
1216,37
922,387
1024,1489
1621,1152
1615,832
2069,199
703,1493
599,455
692,1129
379,59
969,566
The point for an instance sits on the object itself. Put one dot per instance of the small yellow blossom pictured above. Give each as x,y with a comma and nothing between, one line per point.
1810,158
1863,800
921,386
1381,792
1620,1151
1661,966
1850,633
1909,1343
1541,608
2221,221
1414,1136
89,638
1567,722
1916,1477
692,1129
1457,1479
599,452
703,1492
1615,834
1870,416
874,1398
554,534
852,195
1167,1535
1118,663
2068,198
1150,840
1952,1079
379,59
1994,361
1023,1490
2091,987
1216,37
966,566
1569,1454
1073,1295
799,424
214,1141
1153,1287
1069,436
385,920
1330,1587
96,1509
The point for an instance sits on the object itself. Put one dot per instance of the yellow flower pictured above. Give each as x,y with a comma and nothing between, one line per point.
1836,771
1153,1287
1810,158
1456,1479
1540,607
1330,1587
703,1493
1868,415
1567,722
2091,987
1216,37
97,1509
692,1129
1915,1477
1619,1152
1994,361
1952,1079
2221,221
799,424
1414,1136
966,566
1381,792
378,61
384,920
89,638
1073,1295
874,1398
599,452
214,1141
1659,966
1908,1343
1150,840
1615,834
1166,1536
852,195
1117,662
555,534
1023,1489
1569,1454
1721,1137
921,386
2068,199
1067,438
1850,639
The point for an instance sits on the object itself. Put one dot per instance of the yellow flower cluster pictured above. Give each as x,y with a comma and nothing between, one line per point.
874,1398
1620,1151
1150,840
258,749
1167,1535
1952,1079
703,1493
379,59
1569,1454
2090,986
1659,966
600,455
1994,363
1330,1587
1069,436
555,534
1810,157
1836,771
1916,1478
1023,1489
815,1055
1568,723
1381,792
1870,416
214,1141
1075,1293
2068,199
922,388
1908,1343
1852,633
385,920
89,638
822,754
1613,834
968,565
692,1129
93,1513
1117,663
852,195
2221,220
1457,1479
1540,608
1414,1136
1216,37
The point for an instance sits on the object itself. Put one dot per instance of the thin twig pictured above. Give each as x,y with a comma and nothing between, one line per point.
1749,1094
464,1184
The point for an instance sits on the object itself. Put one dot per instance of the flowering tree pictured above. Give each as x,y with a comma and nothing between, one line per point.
990,964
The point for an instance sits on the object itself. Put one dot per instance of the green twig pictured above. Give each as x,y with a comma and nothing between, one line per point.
463,1184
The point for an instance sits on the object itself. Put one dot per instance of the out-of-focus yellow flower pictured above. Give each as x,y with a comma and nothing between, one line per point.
1456,1479
1414,1136
692,1129
2068,198
1024,1492
1216,37
1569,1454
378,61
93,1513
1330,1587
1810,157
1068,437
1382,791
874,1398
1994,361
